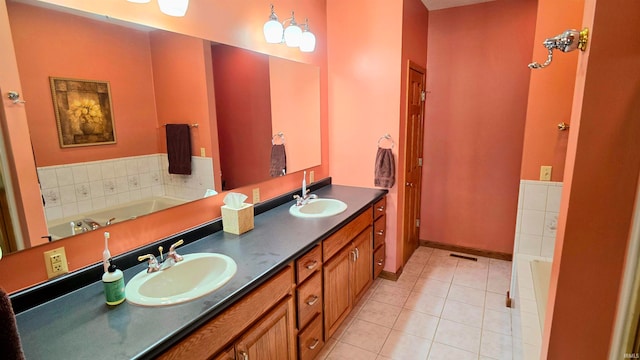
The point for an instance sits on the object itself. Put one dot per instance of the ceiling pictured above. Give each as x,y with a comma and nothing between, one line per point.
443,4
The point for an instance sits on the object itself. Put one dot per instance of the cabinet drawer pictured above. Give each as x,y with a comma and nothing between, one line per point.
308,264
378,260
379,231
309,299
310,340
380,207
337,241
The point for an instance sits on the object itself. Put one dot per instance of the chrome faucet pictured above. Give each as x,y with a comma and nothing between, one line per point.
172,258
92,223
304,199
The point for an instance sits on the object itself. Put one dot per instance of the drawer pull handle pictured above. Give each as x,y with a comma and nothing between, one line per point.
314,345
244,355
311,264
380,209
380,232
380,262
357,253
311,300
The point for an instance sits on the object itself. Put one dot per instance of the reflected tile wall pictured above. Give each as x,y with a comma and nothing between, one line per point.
72,189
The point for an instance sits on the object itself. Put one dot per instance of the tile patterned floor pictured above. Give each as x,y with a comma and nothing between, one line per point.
441,307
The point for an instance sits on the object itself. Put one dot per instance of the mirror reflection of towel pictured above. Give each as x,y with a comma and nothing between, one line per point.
10,346
278,161
385,171
179,148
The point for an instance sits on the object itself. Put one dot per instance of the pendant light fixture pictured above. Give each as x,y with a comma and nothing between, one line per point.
292,35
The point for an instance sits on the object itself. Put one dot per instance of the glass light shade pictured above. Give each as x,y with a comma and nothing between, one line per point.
174,7
139,1
308,42
273,32
292,35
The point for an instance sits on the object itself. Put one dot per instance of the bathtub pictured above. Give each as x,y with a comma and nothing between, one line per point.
131,210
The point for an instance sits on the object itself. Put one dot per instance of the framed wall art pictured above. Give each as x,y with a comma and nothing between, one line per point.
83,112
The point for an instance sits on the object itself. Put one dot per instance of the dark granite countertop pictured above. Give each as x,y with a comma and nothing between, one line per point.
79,325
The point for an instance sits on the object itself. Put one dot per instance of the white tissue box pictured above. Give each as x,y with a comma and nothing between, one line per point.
237,221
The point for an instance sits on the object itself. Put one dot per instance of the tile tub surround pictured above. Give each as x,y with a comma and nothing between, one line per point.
441,307
62,327
73,189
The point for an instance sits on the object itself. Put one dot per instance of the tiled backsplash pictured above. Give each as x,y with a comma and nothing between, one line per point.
537,220
78,188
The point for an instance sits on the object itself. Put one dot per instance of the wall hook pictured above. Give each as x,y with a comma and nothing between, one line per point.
565,42
15,97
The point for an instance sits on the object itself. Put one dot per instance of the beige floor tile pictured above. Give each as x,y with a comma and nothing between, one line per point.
416,323
497,321
463,313
442,260
366,335
495,301
440,272
390,295
326,349
379,313
401,346
467,295
419,257
496,346
498,283
405,281
343,351
343,327
432,286
412,269
476,279
445,352
425,303
458,335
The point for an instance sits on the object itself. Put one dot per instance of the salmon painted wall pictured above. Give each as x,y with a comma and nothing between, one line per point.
474,122
600,184
364,94
243,106
550,92
235,23
94,50
180,86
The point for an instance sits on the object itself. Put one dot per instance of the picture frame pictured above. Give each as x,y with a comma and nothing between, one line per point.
83,110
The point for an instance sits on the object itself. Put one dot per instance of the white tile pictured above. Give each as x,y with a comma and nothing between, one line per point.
496,346
70,209
495,301
65,176
548,246
120,168
445,352
530,244
458,335
439,271
535,197
405,281
343,351
416,323
412,269
47,178
53,213
122,184
550,224
432,286
52,197
531,352
425,303
379,313
402,346
107,170
462,313
83,191
466,295
131,166
532,222
521,195
366,335
554,195
68,194
476,279
390,295
80,174
94,171
497,321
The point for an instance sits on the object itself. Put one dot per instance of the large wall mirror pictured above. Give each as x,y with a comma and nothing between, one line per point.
240,106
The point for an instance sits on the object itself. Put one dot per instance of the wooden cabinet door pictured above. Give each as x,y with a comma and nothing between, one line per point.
272,338
337,296
362,273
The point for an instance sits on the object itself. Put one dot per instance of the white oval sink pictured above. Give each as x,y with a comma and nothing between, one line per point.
318,208
195,276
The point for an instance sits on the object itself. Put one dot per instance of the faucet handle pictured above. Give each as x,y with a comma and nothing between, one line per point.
153,263
172,251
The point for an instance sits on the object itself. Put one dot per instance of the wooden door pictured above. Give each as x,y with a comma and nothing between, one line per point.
337,295
413,160
362,274
272,338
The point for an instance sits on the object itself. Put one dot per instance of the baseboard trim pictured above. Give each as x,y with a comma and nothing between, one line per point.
388,275
467,250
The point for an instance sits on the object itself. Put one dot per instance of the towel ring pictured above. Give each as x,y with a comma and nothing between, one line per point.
386,137
278,135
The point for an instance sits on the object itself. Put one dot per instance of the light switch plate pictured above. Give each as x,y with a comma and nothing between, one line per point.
202,152
256,195
312,176
545,173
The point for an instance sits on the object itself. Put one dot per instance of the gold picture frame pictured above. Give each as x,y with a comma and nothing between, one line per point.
83,111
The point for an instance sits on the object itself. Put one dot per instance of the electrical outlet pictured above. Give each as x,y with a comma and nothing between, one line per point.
256,195
55,261
202,152
312,176
545,173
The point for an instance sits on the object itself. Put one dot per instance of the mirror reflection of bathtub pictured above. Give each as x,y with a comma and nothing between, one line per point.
63,228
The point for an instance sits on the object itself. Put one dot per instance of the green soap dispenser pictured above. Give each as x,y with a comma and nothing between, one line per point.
113,281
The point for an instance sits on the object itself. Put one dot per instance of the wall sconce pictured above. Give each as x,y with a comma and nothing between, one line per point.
169,7
276,33
564,42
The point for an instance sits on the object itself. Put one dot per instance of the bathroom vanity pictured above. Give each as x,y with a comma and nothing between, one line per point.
297,279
